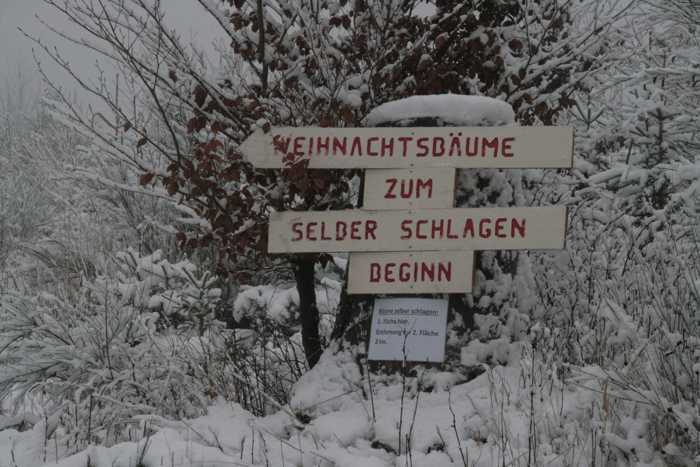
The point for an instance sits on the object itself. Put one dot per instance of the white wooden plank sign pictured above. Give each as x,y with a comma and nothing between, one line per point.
424,230
376,148
409,189
410,328
411,272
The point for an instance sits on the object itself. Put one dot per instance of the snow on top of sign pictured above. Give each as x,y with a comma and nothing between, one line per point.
453,109
424,10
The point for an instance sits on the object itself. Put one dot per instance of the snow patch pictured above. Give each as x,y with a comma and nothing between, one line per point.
454,109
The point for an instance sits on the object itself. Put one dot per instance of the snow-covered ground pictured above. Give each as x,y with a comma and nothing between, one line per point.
341,416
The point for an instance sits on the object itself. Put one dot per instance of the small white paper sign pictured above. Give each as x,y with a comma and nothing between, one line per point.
415,327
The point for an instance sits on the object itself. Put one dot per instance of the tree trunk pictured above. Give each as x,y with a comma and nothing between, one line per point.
308,310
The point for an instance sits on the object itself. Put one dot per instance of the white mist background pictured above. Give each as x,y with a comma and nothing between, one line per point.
17,63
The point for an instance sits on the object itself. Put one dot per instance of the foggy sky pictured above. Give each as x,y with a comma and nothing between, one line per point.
16,50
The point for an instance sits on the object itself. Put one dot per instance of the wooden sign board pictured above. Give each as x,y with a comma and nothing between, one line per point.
409,189
411,272
391,148
413,329
424,230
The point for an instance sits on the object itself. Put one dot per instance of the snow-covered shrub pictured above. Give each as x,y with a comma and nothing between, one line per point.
143,338
271,356
96,357
619,315
279,304
174,290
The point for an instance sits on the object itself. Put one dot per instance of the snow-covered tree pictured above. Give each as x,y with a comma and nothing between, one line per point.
532,55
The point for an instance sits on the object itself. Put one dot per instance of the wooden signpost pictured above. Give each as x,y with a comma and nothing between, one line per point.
408,238
421,230
409,188
506,147
411,272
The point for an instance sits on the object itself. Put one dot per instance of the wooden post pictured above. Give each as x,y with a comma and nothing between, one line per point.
351,304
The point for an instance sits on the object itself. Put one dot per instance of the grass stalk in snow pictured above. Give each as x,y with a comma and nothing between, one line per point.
532,431
143,450
409,435
463,455
371,392
404,369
